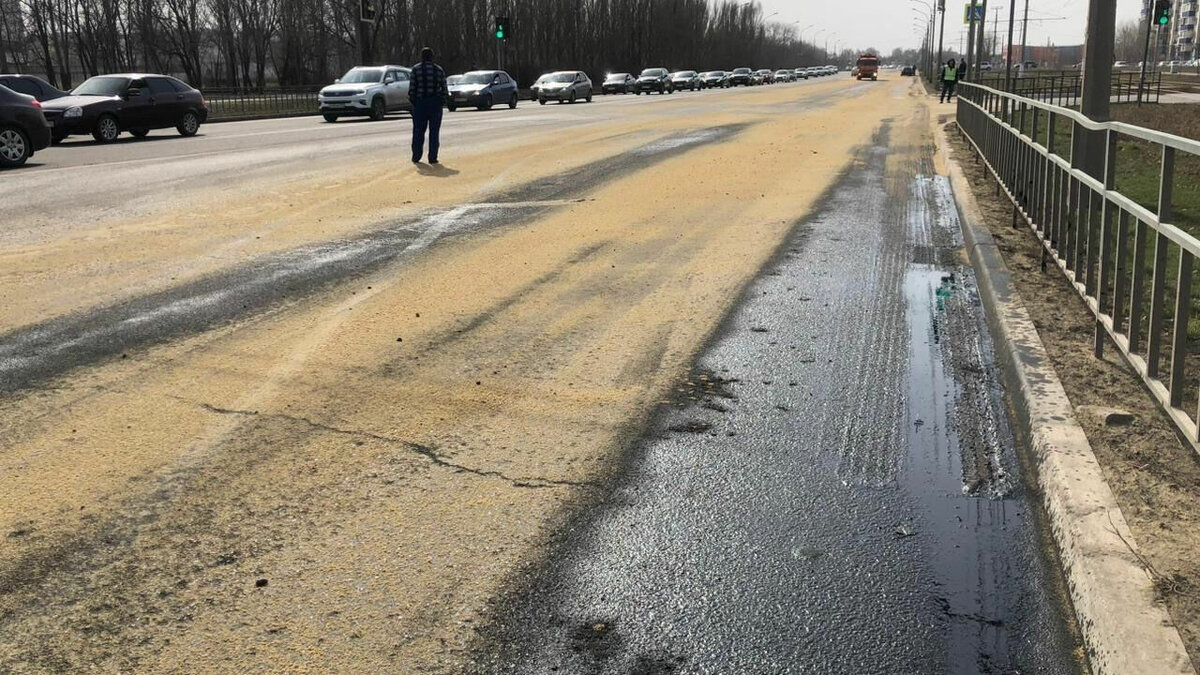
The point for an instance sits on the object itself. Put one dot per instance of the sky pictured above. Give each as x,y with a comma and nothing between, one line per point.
887,24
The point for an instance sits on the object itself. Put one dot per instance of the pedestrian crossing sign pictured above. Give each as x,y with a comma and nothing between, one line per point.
967,13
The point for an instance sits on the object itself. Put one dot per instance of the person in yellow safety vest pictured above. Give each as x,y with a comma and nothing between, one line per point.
949,78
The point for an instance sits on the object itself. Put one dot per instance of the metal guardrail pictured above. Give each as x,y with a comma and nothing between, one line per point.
1064,88
248,103
1097,235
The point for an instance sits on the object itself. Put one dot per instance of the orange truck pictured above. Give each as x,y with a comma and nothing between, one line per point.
868,66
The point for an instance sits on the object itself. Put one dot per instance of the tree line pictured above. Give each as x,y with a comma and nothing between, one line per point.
256,43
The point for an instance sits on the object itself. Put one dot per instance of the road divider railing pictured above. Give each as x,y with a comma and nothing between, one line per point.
1117,238
237,103
1064,88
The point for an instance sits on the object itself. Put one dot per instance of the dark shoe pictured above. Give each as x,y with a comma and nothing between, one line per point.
416,160
434,161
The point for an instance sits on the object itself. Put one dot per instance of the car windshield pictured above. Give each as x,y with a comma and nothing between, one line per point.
652,72
102,86
477,78
562,77
687,73
742,71
454,79
362,75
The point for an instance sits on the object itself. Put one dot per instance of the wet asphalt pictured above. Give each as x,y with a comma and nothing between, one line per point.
835,488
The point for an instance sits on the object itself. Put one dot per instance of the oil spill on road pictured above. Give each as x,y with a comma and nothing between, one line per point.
843,499
34,353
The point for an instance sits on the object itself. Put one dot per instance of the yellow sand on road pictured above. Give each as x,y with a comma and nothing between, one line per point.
387,455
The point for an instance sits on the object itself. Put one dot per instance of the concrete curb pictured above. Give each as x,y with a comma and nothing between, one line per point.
1125,629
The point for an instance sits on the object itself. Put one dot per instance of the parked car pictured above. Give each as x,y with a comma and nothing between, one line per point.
784,76
654,79
32,85
800,73
23,128
619,83
366,91
566,86
741,77
106,105
907,71
685,79
714,78
483,89
765,76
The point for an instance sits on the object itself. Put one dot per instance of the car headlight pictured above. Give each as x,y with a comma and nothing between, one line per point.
74,111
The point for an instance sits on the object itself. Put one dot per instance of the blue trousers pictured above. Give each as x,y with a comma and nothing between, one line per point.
427,115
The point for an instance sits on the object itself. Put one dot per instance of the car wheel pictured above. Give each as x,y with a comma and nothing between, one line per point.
189,125
139,132
14,147
451,107
330,118
571,99
512,104
107,129
589,97
378,108
486,104
541,101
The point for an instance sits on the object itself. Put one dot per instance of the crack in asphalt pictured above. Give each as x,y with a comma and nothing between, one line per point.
426,451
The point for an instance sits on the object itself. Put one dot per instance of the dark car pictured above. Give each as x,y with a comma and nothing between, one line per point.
654,79
23,129
619,83
483,89
106,105
685,79
907,71
741,77
32,85
714,78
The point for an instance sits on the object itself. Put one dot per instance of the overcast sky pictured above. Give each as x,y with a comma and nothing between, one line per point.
886,24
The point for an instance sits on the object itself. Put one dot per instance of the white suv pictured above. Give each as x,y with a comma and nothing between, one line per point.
366,90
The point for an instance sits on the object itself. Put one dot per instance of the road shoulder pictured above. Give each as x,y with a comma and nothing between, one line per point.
1125,624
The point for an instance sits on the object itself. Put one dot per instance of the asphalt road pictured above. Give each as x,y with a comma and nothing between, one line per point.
694,383
833,489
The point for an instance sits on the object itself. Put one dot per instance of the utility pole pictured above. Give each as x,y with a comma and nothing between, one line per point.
1097,84
970,39
1008,48
1024,34
941,34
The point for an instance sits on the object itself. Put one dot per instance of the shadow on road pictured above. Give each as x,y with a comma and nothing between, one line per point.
438,170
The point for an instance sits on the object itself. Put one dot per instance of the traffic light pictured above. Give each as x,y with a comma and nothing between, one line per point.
366,11
1162,12
502,28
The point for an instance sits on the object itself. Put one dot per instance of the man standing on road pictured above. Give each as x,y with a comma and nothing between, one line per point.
427,91
949,78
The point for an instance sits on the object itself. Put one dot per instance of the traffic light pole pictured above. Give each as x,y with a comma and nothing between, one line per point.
1145,56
